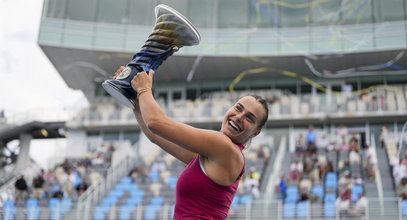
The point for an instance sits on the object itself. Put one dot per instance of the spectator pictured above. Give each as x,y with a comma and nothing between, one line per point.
81,187
345,181
139,172
343,205
304,195
263,153
38,185
342,132
402,188
252,185
282,186
159,166
383,136
300,145
109,153
370,162
360,206
323,142
21,189
311,139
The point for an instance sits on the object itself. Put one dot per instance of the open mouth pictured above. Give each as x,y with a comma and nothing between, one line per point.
234,125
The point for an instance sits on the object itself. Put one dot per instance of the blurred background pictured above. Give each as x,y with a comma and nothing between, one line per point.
334,73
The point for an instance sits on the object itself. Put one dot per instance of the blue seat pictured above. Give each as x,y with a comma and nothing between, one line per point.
32,202
333,184
292,190
291,199
245,200
318,191
66,205
126,212
329,210
356,191
157,201
172,181
33,212
133,201
330,198
404,207
302,209
235,201
138,193
54,202
331,176
289,210
126,179
109,201
100,212
150,212
154,176
9,210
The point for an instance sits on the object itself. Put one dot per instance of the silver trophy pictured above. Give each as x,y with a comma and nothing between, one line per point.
171,32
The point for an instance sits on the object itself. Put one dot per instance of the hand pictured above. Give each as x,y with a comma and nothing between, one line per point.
118,71
142,80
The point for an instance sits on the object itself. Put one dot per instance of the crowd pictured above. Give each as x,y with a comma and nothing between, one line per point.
69,179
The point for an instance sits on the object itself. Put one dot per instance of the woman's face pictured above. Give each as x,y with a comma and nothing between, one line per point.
241,122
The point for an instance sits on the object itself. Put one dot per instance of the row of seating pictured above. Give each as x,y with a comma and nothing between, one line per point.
57,207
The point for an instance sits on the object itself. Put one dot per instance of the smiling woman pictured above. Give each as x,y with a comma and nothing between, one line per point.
215,162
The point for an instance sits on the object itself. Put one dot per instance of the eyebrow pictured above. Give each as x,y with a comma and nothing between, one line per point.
242,106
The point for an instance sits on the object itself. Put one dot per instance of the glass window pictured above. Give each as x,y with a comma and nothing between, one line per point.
180,5
142,12
132,136
294,13
202,13
111,136
357,12
233,14
389,10
81,10
55,8
263,14
112,11
325,13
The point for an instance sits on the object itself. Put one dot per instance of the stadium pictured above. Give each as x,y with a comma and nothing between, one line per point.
334,74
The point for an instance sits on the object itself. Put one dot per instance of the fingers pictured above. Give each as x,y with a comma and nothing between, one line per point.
118,71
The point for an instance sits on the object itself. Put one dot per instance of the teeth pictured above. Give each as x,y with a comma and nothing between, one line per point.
234,125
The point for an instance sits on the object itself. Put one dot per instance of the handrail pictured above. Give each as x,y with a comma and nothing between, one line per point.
378,177
401,138
277,167
95,192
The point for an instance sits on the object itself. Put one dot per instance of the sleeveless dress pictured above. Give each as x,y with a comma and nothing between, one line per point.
199,197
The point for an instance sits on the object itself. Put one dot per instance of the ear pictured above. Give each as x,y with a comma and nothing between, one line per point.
255,133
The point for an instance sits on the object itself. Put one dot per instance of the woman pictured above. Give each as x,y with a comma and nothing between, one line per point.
206,187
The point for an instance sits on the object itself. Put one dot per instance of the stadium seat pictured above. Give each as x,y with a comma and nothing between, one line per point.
318,191
66,205
356,190
329,210
404,207
100,212
330,198
289,210
9,210
172,181
302,209
245,200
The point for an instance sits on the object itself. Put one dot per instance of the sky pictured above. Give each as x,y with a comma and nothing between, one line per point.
29,83
30,86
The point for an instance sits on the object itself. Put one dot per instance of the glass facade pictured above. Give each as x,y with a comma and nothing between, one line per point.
254,27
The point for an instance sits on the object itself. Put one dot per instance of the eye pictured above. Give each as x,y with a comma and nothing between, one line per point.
238,108
251,119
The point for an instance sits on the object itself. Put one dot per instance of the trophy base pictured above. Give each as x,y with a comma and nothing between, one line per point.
121,94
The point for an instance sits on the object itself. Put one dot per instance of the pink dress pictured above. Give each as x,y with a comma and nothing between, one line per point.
199,197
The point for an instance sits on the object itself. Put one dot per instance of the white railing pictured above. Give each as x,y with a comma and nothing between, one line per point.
97,191
258,209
